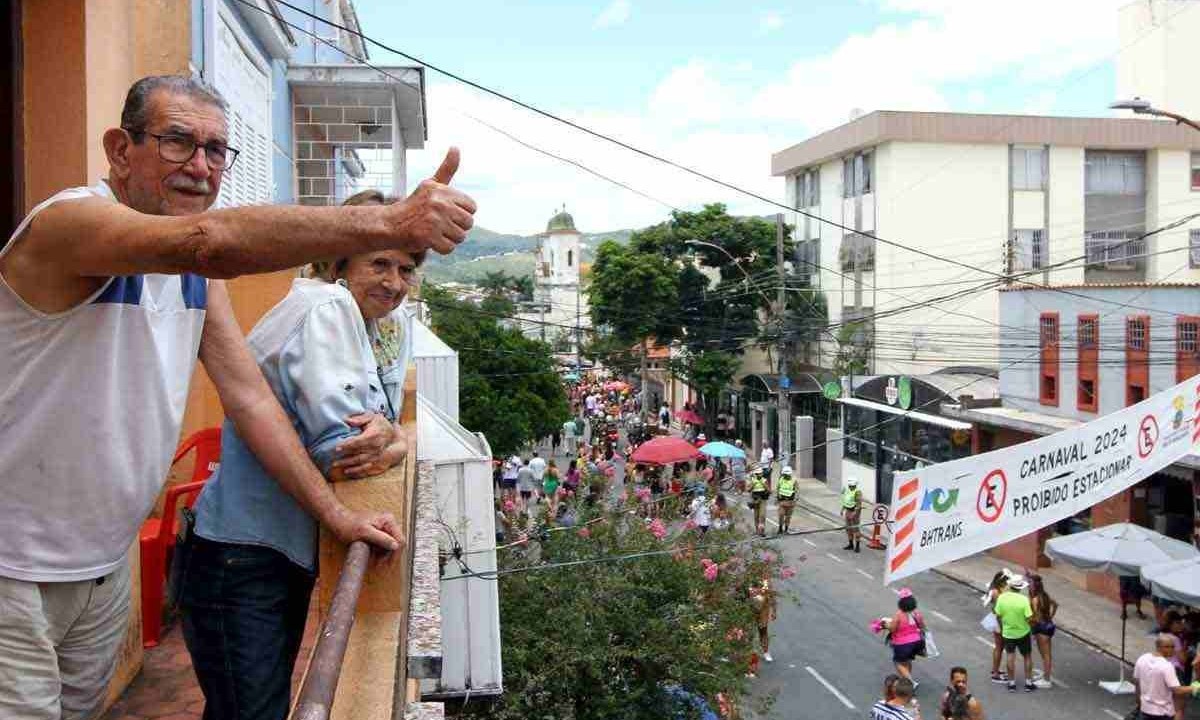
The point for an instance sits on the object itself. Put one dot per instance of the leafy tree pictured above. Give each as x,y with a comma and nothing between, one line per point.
494,282
604,640
708,372
509,388
635,295
853,350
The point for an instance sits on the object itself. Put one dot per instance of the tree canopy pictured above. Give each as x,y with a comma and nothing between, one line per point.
508,384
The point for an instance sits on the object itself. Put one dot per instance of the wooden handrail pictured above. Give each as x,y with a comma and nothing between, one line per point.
321,679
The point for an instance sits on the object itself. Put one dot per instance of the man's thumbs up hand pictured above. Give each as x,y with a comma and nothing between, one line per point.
449,166
436,215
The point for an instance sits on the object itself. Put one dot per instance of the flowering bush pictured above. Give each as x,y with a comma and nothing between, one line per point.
619,634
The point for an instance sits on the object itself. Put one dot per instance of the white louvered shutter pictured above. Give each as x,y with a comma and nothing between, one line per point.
240,77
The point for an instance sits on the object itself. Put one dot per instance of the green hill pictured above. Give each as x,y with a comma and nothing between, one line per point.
487,251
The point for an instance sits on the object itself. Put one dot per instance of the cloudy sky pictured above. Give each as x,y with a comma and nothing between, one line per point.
716,85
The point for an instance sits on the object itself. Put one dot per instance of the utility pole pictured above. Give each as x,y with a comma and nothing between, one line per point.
578,334
783,410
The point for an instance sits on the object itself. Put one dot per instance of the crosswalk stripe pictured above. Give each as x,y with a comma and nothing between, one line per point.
941,616
833,557
829,686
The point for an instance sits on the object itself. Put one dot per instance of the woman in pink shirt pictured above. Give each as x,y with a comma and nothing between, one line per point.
907,628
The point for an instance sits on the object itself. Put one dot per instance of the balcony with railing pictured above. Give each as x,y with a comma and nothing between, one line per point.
1114,256
374,627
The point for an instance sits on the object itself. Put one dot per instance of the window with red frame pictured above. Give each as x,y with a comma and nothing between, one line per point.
1087,372
1048,367
1137,358
1187,347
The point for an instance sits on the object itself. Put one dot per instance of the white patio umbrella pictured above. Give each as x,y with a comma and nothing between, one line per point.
1177,580
1120,549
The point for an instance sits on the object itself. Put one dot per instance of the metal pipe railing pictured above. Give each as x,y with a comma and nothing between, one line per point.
320,682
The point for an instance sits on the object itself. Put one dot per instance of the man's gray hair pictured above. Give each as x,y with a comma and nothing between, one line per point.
135,116
1164,639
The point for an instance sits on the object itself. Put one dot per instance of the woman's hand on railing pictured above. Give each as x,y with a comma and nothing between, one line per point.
370,452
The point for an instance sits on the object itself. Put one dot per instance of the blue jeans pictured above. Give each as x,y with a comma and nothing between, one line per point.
244,609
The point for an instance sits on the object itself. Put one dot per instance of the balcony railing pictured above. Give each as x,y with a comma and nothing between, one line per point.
1115,250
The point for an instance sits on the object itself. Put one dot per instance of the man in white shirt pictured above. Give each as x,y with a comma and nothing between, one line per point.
122,285
766,458
537,466
1156,682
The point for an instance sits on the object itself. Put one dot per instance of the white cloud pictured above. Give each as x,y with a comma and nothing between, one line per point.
715,115
615,13
908,65
770,22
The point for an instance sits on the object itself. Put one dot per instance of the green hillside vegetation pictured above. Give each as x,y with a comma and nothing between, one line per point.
486,251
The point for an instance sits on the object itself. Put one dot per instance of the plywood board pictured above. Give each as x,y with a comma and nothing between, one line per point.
367,686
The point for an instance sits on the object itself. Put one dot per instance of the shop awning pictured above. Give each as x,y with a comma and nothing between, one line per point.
918,416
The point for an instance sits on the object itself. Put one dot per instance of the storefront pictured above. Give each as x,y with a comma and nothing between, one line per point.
893,423
755,410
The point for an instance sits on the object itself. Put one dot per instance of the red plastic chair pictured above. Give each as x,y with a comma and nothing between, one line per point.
157,537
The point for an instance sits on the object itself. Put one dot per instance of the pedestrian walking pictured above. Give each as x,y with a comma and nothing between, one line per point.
992,625
906,629
766,459
1014,613
1132,592
1156,683
852,502
526,485
762,599
549,487
785,497
897,707
1044,609
537,466
508,477
957,701
738,466
701,513
760,491
722,517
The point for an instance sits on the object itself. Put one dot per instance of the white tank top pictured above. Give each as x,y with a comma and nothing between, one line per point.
91,403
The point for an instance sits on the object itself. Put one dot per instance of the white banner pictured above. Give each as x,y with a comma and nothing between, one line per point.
951,510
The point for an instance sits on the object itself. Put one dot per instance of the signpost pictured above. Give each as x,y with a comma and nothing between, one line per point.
955,509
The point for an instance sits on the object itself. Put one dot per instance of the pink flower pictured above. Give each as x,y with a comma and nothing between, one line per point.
768,556
787,573
689,525
584,532
735,633
623,497
570,494
658,529
509,506
710,572
643,494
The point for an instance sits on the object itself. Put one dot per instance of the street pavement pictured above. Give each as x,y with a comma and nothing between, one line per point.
828,664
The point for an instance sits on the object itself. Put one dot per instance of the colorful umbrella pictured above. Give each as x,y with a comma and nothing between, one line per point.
664,450
690,416
722,450
617,385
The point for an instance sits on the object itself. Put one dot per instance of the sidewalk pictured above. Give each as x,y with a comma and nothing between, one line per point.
1093,619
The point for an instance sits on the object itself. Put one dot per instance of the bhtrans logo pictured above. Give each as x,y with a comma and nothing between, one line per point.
939,500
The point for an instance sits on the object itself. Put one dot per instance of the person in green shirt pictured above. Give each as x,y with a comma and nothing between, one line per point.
1013,611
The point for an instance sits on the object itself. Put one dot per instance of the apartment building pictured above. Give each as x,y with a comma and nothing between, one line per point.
976,199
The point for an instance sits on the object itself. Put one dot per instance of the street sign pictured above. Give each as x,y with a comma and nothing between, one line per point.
831,390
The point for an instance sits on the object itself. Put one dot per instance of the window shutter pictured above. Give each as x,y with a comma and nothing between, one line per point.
240,78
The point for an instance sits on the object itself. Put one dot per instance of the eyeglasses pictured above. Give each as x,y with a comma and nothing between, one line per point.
182,148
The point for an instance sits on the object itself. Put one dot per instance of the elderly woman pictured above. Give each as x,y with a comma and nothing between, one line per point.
334,352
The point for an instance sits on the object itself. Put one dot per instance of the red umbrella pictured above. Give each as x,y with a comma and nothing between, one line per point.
666,449
690,416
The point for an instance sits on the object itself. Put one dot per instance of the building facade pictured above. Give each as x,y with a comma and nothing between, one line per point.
1068,359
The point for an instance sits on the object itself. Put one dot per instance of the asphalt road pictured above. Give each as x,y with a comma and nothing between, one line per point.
829,665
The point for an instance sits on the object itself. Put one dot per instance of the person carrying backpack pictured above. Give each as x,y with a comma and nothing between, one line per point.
957,702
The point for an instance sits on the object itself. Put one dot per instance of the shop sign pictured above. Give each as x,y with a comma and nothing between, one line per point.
1013,491
905,391
891,392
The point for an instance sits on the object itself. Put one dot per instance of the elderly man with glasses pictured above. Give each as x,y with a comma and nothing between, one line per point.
109,295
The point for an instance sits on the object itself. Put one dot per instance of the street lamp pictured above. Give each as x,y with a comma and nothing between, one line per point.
1143,107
